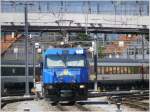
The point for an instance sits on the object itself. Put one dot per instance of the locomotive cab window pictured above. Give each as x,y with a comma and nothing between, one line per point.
55,61
62,61
75,61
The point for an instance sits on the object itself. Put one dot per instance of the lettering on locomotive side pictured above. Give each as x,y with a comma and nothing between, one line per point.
79,51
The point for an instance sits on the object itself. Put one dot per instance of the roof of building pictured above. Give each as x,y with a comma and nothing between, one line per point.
114,46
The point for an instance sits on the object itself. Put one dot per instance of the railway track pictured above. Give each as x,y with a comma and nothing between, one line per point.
81,107
61,108
136,104
133,101
129,100
7,100
75,107
3,104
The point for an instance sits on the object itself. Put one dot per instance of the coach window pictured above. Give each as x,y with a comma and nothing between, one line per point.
139,70
121,70
20,71
102,70
106,70
114,70
118,70
6,71
110,70
98,70
129,70
13,70
125,70
30,71
147,70
142,70
132,70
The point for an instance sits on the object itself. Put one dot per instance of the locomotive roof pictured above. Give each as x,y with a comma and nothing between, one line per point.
60,51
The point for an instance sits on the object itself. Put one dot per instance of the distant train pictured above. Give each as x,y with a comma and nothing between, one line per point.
65,74
125,73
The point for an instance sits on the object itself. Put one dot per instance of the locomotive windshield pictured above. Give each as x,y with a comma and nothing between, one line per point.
62,61
55,61
75,60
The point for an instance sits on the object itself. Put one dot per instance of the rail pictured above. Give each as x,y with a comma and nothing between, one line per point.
11,99
82,108
115,93
132,100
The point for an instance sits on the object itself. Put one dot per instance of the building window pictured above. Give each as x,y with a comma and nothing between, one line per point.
147,51
131,51
140,51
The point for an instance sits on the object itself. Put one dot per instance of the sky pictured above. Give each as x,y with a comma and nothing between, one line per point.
107,7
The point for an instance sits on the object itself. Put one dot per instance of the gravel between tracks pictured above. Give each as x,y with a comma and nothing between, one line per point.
92,104
32,106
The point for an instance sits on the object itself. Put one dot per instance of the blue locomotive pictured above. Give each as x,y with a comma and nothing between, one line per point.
65,74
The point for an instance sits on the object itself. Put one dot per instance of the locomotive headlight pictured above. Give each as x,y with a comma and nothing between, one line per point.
82,86
50,87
